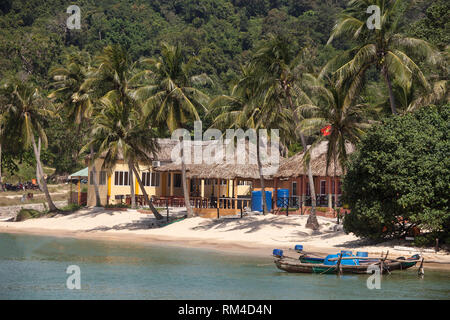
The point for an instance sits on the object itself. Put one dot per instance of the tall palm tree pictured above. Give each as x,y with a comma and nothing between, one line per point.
119,131
24,117
112,85
282,74
68,81
346,119
173,99
390,51
245,109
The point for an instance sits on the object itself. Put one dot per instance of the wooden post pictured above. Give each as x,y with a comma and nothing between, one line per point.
421,271
167,208
437,245
235,189
218,197
202,190
79,191
241,212
338,265
275,193
171,177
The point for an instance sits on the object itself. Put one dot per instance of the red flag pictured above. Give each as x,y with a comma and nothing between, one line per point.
326,131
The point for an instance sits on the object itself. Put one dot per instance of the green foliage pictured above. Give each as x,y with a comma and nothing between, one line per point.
25,214
400,177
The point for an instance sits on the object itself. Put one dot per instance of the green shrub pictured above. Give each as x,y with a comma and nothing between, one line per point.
25,214
118,205
71,207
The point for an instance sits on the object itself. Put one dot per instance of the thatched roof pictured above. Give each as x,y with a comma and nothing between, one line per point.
229,170
163,155
294,166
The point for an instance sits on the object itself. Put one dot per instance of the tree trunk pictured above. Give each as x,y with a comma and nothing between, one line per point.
130,176
391,93
38,174
187,200
147,199
261,177
94,178
312,221
335,185
51,205
0,164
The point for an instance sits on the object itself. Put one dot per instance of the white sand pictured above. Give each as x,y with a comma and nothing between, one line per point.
252,234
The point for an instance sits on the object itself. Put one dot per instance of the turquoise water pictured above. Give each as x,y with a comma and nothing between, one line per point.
34,267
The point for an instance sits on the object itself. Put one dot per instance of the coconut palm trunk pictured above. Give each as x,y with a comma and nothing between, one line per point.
187,200
391,92
312,221
43,183
0,164
335,185
130,176
147,199
261,177
94,178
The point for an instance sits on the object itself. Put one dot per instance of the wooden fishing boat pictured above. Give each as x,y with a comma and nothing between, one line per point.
307,264
403,265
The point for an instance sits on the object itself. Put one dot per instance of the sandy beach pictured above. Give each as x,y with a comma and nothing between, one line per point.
254,234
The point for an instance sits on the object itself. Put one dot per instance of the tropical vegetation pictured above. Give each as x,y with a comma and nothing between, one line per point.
139,70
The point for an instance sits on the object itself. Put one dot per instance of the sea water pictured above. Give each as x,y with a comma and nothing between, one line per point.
34,267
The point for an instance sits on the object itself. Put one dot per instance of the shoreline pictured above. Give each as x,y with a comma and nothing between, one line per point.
254,235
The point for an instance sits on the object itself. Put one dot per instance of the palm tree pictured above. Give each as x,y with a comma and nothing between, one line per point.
68,81
245,109
112,85
386,48
172,99
282,75
122,131
24,117
336,109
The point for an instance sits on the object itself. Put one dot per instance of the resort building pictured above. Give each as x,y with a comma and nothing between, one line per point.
228,186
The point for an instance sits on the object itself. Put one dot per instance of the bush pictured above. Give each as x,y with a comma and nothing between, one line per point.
400,177
25,214
71,207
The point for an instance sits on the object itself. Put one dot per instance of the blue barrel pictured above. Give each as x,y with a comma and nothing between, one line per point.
298,247
362,254
282,198
277,252
257,201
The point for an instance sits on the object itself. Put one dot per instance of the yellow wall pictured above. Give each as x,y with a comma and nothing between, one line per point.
111,190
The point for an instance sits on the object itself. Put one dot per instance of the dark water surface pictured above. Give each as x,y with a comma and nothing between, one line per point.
34,267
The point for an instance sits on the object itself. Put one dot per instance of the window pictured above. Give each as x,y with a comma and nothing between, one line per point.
244,183
121,178
339,185
146,176
323,187
177,180
155,179
102,180
294,188
150,179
